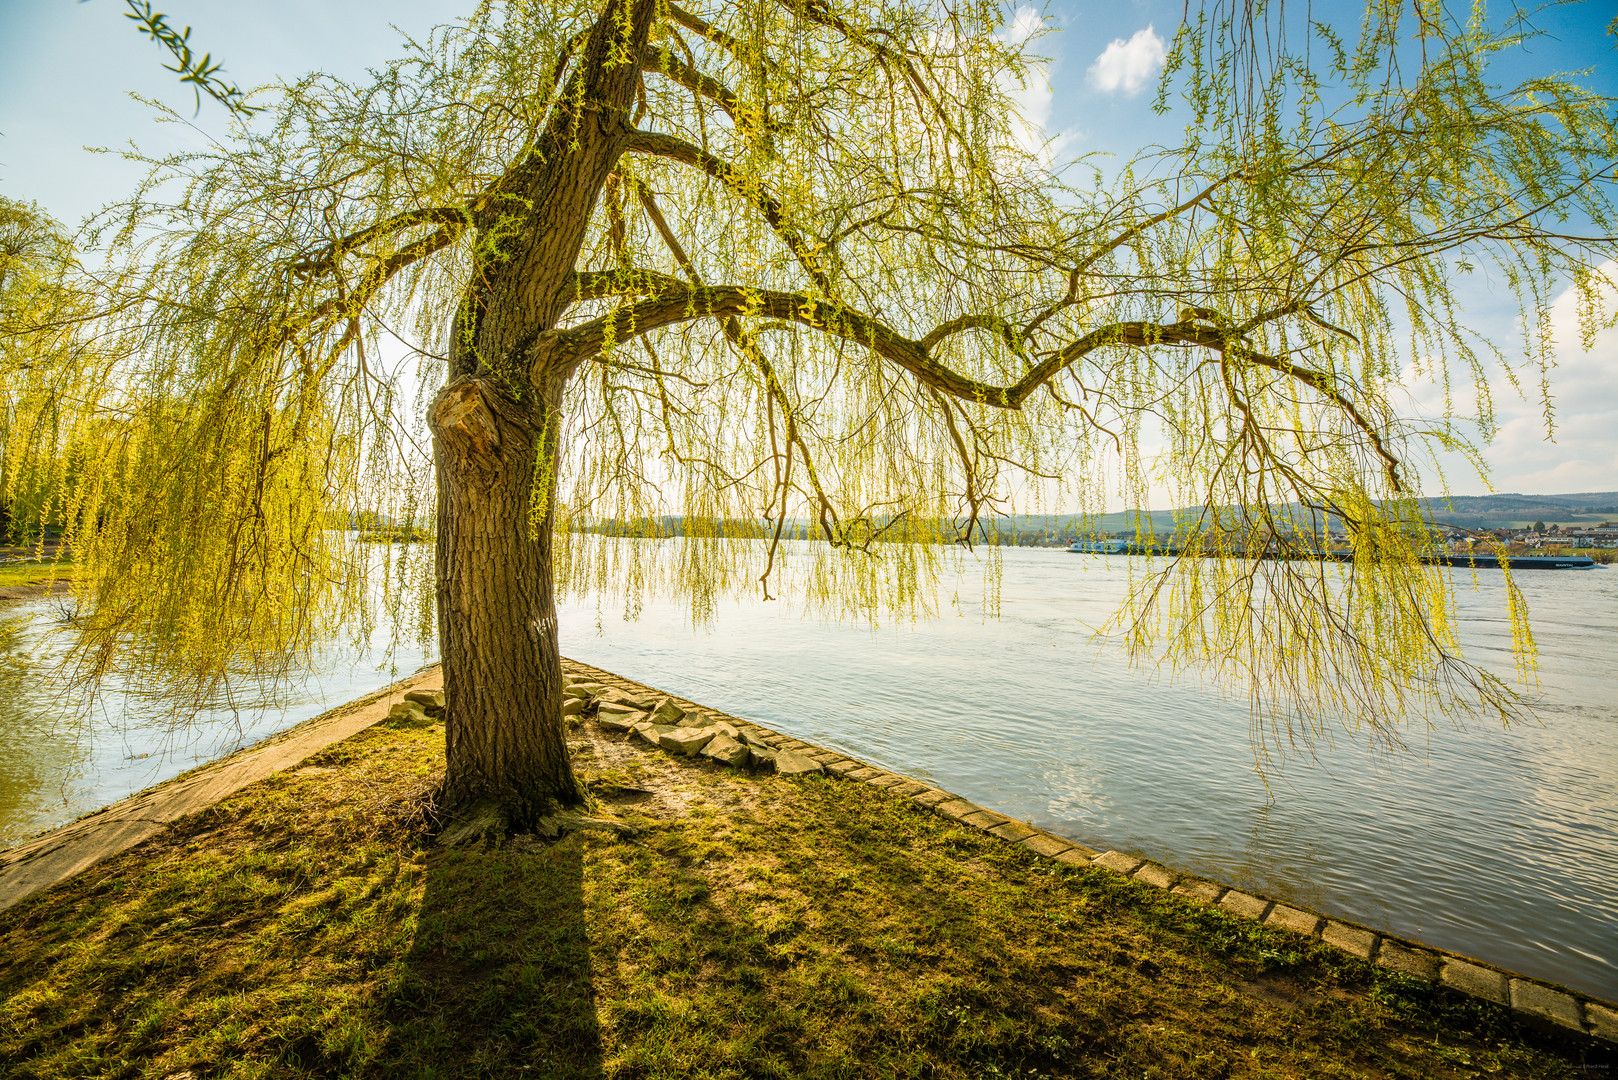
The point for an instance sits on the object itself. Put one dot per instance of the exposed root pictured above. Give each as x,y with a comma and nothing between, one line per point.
477,822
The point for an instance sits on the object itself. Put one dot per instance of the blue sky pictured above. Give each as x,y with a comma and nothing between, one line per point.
67,69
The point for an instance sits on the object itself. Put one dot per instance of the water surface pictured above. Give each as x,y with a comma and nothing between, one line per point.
68,754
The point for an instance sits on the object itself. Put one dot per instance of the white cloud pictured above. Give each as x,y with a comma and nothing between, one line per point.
1127,65
1027,21
1032,96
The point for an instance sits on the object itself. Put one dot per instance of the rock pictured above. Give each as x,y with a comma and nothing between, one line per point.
621,712
685,741
431,701
574,706
664,711
726,750
408,714
792,763
619,697
620,721
753,739
726,728
650,731
760,757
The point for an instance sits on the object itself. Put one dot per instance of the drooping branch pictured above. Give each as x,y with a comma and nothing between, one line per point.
324,259
1322,383
667,146
677,304
818,12
703,28
350,301
660,61
685,304
1118,241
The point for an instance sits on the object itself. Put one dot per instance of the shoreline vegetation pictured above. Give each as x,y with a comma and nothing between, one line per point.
29,578
747,925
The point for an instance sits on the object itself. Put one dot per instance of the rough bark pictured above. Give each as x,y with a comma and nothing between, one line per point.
494,428
496,604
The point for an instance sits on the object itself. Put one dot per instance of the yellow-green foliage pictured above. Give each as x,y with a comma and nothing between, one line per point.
831,286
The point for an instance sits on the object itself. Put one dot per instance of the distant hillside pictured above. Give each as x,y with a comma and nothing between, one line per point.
1467,511
1514,510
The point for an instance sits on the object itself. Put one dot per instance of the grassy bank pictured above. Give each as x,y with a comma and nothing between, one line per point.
35,572
756,926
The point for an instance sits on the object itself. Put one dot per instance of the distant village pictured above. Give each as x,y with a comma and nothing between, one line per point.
1535,537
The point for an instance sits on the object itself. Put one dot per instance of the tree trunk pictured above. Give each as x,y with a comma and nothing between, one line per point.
495,423
496,603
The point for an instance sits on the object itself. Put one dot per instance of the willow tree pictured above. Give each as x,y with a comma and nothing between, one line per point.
801,261
46,360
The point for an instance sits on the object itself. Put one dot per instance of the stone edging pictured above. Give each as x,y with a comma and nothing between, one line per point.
1535,1000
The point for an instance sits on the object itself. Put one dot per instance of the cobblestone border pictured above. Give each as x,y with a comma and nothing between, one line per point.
1537,1001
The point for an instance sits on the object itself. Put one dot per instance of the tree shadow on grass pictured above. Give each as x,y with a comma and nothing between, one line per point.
498,981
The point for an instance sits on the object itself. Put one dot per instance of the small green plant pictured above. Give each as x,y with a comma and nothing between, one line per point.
200,72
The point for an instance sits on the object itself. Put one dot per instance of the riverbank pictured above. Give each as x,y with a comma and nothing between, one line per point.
753,924
32,579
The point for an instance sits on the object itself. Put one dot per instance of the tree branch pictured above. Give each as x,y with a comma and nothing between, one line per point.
667,146
631,281
661,61
706,30
677,304
324,259
350,301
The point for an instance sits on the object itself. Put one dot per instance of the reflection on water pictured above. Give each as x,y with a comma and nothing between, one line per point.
67,754
43,765
1498,843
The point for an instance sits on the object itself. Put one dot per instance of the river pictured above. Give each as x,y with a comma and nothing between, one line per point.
1496,843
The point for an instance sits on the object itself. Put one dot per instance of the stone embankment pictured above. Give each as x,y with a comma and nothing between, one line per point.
682,727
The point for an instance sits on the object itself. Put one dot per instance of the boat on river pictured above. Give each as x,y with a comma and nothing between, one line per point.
1098,547
1468,561
1460,560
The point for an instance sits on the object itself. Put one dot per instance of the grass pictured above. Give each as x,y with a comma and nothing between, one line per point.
756,927
30,573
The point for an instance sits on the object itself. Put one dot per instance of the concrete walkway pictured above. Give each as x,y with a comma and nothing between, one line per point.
61,853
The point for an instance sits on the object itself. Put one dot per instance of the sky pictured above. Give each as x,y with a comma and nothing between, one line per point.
68,69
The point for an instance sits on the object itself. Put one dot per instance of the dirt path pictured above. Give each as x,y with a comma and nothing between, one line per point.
61,853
